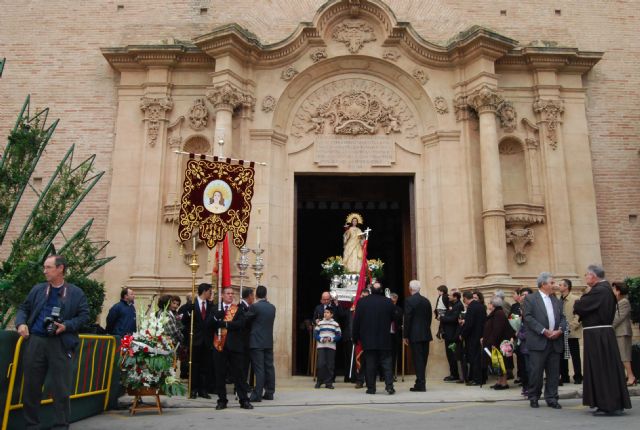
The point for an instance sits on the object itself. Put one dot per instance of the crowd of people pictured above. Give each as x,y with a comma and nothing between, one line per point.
230,338
227,341
529,341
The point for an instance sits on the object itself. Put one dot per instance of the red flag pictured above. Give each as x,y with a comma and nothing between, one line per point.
362,283
226,266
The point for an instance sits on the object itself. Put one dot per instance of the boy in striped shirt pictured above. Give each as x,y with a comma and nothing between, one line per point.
327,332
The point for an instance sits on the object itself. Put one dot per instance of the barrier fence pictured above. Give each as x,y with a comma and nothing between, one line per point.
94,367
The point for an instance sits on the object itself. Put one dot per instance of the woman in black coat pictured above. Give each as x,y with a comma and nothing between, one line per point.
496,330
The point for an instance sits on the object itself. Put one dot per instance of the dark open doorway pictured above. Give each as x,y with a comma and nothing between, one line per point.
322,204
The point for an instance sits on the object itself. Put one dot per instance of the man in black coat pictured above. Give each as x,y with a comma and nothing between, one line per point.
201,358
417,332
228,351
248,298
371,326
262,315
450,331
471,333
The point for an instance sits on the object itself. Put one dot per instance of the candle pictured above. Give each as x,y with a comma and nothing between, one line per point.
194,243
258,237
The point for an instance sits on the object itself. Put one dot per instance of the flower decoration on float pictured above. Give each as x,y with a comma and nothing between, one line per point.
375,268
332,266
148,356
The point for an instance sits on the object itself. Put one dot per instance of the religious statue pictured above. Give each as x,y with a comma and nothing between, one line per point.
353,239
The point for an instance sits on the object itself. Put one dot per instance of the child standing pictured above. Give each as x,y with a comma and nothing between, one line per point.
327,332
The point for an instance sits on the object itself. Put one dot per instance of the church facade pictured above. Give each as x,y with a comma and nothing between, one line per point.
500,142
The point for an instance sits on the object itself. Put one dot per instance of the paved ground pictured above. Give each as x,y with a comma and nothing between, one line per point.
298,405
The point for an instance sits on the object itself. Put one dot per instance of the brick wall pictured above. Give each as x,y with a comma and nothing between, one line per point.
52,51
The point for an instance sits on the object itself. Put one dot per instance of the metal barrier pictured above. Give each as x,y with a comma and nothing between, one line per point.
94,362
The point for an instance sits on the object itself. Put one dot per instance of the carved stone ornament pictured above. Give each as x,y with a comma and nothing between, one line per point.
421,76
461,108
198,115
154,110
484,99
318,55
390,55
509,147
353,107
226,96
519,238
288,73
550,111
508,116
268,104
354,33
440,104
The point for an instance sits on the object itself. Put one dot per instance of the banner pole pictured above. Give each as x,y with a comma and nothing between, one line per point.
194,268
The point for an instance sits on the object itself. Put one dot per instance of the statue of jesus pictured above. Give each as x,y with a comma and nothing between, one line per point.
352,241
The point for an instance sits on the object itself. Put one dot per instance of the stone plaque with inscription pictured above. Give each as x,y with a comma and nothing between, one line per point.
354,152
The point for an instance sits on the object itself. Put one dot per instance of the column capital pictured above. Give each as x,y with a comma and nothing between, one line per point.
485,99
226,96
155,109
550,112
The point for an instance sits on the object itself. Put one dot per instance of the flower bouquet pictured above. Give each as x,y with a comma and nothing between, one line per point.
148,356
332,266
515,321
375,267
506,348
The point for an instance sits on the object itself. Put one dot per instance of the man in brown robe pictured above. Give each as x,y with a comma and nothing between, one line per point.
604,383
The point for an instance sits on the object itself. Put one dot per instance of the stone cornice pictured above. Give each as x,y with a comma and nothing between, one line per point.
142,56
560,59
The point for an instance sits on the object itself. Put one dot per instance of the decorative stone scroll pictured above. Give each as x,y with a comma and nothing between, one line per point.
354,33
198,114
318,55
519,218
440,104
550,111
390,55
155,110
226,96
354,107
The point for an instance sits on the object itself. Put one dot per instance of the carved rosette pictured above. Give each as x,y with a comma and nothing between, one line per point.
155,110
508,116
421,76
226,96
519,238
550,112
318,55
198,115
390,55
354,33
484,99
289,73
268,104
354,107
440,104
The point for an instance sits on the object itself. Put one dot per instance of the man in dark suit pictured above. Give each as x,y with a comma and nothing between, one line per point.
262,314
248,298
471,332
371,326
325,302
202,340
450,330
417,332
396,334
544,326
229,349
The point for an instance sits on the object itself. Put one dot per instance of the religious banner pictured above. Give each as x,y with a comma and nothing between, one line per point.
216,199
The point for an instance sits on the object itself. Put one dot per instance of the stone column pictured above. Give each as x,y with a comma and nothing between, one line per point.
486,101
224,97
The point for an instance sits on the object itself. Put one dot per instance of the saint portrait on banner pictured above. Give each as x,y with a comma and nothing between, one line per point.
217,197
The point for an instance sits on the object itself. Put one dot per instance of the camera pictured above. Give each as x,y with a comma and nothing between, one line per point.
49,321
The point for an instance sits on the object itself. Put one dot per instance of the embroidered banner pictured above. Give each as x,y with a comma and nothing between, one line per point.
216,199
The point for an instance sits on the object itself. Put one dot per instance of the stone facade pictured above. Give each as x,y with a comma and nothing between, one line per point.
522,140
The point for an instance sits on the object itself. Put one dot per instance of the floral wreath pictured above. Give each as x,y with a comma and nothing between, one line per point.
355,215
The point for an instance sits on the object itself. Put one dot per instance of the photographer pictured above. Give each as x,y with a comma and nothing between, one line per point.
48,321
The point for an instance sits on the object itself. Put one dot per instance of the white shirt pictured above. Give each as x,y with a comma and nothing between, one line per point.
547,304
